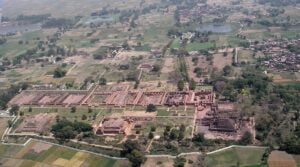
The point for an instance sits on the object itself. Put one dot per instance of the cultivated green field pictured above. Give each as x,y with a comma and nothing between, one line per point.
247,157
42,154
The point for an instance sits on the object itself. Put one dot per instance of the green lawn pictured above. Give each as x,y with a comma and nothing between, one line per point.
12,48
235,156
163,112
195,46
32,35
175,44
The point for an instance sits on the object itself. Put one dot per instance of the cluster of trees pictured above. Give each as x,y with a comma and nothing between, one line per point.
275,107
151,108
59,73
57,23
7,94
32,19
279,3
294,48
132,151
183,68
254,82
2,40
65,129
174,133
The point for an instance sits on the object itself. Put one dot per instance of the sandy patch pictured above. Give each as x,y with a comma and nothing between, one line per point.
39,147
168,65
220,61
25,150
161,162
60,162
253,31
78,159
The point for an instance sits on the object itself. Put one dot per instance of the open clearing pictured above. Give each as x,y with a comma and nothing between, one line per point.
235,156
3,125
220,61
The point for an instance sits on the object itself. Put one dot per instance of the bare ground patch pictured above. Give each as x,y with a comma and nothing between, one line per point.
220,61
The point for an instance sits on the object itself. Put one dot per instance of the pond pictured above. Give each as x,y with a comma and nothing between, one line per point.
216,28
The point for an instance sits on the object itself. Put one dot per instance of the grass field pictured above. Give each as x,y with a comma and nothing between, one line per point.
66,112
3,125
175,44
250,157
195,46
37,153
245,56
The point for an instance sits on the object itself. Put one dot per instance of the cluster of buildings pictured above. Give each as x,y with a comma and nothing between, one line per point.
186,14
280,53
115,95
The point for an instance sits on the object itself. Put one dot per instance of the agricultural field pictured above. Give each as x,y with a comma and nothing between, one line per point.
235,156
3,125
43,154
199,46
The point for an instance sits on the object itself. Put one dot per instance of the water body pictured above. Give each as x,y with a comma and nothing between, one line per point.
216,28
100,19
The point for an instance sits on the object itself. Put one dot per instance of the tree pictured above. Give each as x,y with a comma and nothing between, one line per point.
180,85
125,45
129,146
90,110
192,85
181,132
151,135
156,68
73,109
30,109
84,117
14,110
151,108
59,73
10,123
153,128
198,139
136,84
227,70
179,162
102,81
136,158
174,134
246,139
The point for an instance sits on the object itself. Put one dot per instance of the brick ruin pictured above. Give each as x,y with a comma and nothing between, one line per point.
221,120
111,126
36,124
97,97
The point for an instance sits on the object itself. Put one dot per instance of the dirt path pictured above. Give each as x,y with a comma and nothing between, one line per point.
149,146
194,122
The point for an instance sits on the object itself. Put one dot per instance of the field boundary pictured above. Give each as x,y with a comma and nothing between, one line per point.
234,146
